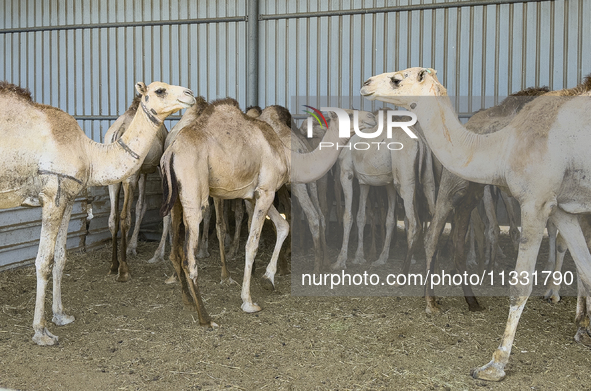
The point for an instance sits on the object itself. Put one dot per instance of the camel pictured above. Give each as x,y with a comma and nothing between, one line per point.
462,196
400,171
150,165
541,157
190,116
48,161
228,155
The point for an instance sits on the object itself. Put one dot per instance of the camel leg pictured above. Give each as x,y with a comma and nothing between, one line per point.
360,222
512,214
203,251
571,229
282,228
552,293
552,242
52,217
347,186
533,218
140,211
492,231
299,191
461,221
479,239
128,187
177,254
414,227
443,208
372,203
159,253
261,207
59,316
238,216
114,191
285,201
390,225
220,226
194,201
471,238
313,192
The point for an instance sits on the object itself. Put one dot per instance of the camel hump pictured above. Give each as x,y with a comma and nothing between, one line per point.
9,88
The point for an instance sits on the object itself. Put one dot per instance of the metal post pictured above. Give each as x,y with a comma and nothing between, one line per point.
252,56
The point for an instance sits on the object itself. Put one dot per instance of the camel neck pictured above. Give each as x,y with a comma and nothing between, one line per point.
111,163
471,156
309,167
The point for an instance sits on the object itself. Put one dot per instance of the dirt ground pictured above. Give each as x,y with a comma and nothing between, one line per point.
137,335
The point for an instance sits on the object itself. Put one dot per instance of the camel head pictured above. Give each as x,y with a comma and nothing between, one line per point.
403,87
159,100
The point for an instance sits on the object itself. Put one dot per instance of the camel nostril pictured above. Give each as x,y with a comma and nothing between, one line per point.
189,92
367,82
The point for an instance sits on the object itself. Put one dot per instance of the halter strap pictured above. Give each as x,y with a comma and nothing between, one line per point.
128,150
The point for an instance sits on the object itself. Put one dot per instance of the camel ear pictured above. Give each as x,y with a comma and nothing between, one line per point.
422,74
141,88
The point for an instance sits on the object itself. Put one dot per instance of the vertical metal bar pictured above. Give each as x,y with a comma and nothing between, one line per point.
510,47
484,50
471,60
580,43
538,42
565,46
252,62
552,54
458,49
523,48
445,43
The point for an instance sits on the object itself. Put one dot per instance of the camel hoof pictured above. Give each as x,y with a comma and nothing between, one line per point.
359,260
131,251
379,262
268,283
250,307
45,338
338,266
476,307
228,281
62,319
123,277
171,280
433,309
155,259
210,324
202,254
491,372
551,296
583,337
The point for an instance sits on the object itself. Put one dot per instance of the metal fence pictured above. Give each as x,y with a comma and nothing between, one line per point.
84,56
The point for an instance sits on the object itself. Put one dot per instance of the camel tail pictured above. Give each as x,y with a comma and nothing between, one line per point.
170,188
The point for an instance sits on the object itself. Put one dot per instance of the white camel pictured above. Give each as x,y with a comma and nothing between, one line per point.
541,157
47,161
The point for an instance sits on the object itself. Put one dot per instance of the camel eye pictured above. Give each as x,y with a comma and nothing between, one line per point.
395,82
160,91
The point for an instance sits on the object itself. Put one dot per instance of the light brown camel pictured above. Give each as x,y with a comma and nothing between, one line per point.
191,114
189,117
541,157
150,165
48,161
462,196
228,155
399,167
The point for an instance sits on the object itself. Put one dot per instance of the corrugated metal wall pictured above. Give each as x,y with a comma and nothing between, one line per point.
84,56
479,51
